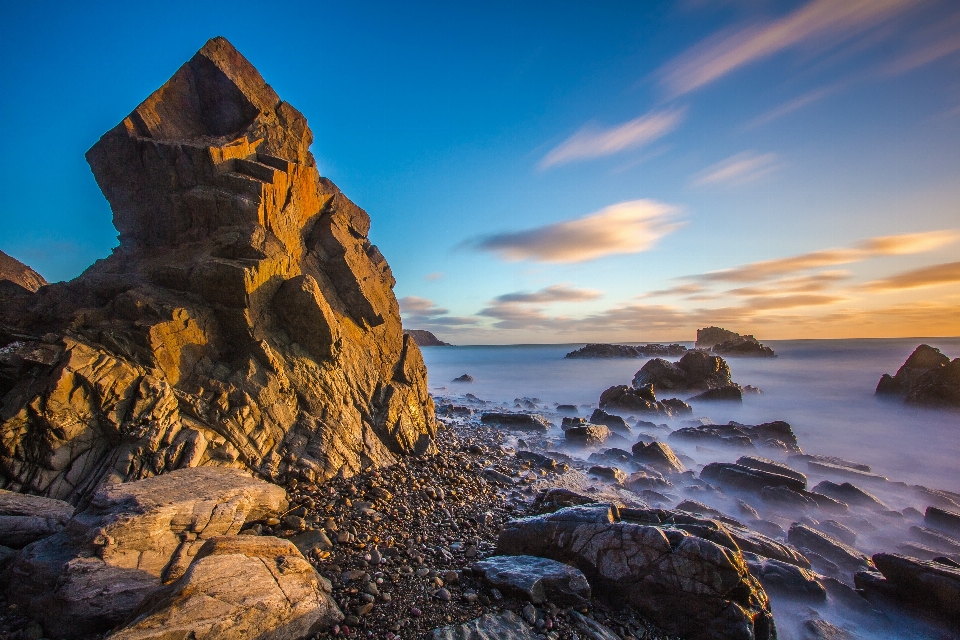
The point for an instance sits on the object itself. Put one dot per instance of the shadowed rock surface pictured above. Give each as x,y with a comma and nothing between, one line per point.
927,378
772,435
627,351
536,579
729,343
642,400
15,271
424,338
934,586
25,519
695,371
245,320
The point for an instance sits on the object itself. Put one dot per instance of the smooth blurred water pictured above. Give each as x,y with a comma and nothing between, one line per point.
823,388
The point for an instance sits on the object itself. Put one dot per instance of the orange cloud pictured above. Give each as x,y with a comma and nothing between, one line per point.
938,274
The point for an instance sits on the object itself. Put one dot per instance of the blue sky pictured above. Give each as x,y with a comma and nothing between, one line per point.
558,172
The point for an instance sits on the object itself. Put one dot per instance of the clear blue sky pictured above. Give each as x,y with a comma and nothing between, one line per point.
557,172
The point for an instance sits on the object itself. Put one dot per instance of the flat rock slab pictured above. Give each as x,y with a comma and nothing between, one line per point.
845,556
492,626
517,421
25,518
536,579
934,586
133,537
239,587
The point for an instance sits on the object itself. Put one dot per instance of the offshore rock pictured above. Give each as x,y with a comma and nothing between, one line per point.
743,347
132,538
709,337
627,351
244,321
695,371
685,584
777,435
14,271
424,338
934,586
927,378
239,587
642,400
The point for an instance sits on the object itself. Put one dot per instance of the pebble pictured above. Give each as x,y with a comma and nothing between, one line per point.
442,594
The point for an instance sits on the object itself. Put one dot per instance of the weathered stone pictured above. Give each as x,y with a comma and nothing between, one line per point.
309,541
773,435
844,556
658,455
25,519
850,494
642,400
927,378
245,320
504,625
695,371
771,466
535,579
685,584
747,479
555,498
933,586
788,579
942,519
731,393
131,538
614,423
13,270
588,435
517,421
239,587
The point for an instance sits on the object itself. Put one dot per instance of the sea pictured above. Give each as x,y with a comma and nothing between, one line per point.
823,388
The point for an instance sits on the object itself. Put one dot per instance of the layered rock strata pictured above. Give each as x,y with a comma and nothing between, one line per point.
245,320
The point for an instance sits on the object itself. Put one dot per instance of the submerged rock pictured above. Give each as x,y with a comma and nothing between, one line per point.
942,519
614,423
464,378
720,394
927,378
687,585
642,400
659,456
504,625
244,320
587,435
845,556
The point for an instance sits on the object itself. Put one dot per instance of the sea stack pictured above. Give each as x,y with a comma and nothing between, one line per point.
245,320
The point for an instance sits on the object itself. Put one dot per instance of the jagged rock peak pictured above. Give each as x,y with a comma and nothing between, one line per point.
245,320
15,271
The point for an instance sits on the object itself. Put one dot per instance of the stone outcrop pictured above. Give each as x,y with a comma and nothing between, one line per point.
659,456
729,343
695,371
131,539
927,378
238,587
12,270
918,584
25,519
771,435
685,584
424,338
709,337
642,400
627,351
844,556
245,320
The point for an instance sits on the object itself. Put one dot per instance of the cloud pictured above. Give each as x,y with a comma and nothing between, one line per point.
903,244
686,289
935,275
937,41
832,20
553,293
422,313
430,277
790,106
737,170
592,142
814,283
626,227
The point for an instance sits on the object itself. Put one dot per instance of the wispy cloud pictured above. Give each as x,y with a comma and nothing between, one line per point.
813,283
832,20
422,313
935,275
903,244
738,170
790,106
594,142
928,45
626,227
553,293
431,277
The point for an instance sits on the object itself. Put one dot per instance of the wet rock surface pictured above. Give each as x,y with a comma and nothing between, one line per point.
245,320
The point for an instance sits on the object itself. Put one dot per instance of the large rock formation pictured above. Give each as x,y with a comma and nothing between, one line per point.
245,320
425,338
695,371
627,351
708,337
13,270
928,377
730,343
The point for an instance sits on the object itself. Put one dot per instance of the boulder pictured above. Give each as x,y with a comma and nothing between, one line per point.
245,319
771,466
587,435
504,625
609,473
424,338
743,347
927,378
238,587
850,494
627,351
919,584
780,496
128,541
709,337
642,400
25,519
685,584
659,456
747,479
614,423
12,270
720,394
695,371
776,435
556,498
788,579
535,579
942,519
845,557
464,378
517,421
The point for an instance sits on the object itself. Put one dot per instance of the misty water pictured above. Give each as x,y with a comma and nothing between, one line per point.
823,388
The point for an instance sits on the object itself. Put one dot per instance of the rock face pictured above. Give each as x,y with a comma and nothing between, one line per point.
927,378
245,320
25,519
709,337
729,343
627,351
689,586
132,537
13,270
239,587
425,338
695,371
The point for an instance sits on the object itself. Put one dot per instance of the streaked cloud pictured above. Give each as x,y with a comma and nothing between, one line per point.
431,277
740,169
554,293
790,106
423,313
935,275
903,244
831,21
813,283
594,142
625,227
928,45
